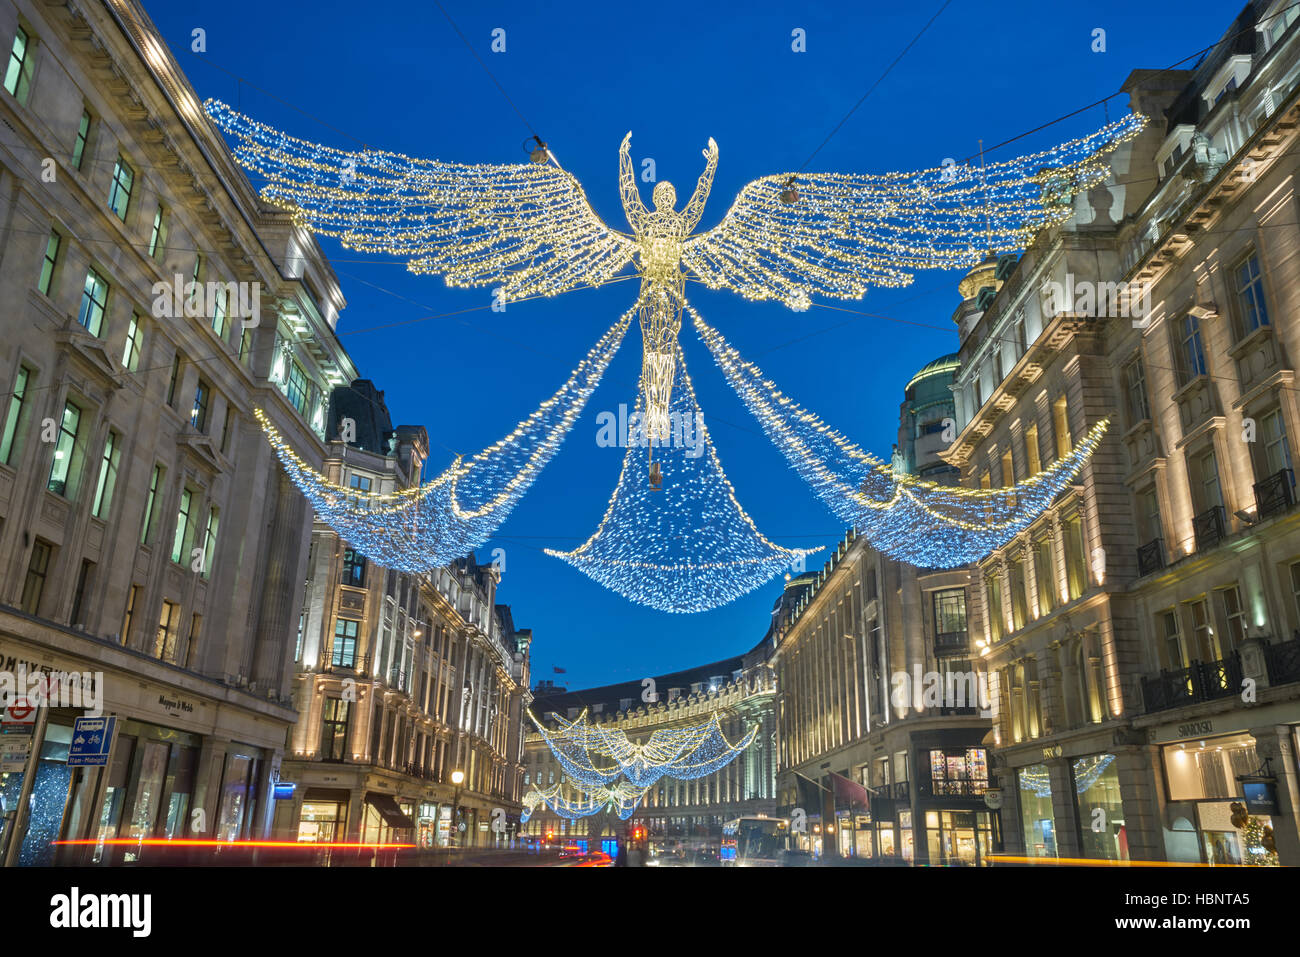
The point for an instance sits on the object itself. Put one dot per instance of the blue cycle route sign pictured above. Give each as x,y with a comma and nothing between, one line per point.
92,740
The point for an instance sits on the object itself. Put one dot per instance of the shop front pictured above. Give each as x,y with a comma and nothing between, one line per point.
169,770
1037,817
1203,781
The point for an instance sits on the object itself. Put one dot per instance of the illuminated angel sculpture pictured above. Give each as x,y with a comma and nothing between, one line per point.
527,230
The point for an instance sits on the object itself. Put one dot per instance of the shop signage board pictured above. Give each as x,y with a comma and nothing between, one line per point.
993,798
92,740
14,751
19,717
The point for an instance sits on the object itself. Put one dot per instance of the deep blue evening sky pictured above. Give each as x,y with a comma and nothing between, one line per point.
396,76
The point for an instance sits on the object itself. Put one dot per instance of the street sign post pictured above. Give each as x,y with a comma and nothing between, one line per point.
92,740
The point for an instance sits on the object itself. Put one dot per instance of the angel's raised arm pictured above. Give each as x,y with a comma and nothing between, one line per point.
695,208
631,196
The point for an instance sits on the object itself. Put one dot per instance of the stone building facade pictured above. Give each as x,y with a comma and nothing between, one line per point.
880,717
401,679
149,538
1143,633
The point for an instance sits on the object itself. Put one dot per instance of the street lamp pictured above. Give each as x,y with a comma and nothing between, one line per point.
457,778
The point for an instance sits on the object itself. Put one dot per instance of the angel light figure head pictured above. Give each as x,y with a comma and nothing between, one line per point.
664,196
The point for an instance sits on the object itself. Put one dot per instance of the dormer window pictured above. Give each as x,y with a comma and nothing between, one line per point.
1275,25
1174,148
1231,75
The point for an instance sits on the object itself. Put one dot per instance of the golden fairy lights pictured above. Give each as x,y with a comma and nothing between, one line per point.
429,525
688,546
610,768
923,523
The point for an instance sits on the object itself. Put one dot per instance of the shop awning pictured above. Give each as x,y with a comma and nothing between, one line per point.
848,793
392,814
810,795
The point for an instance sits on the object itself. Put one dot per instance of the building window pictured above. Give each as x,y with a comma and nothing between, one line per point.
1008,470
1032,455
1191,354
1295,587
175,377
1235,615
83,136
354,568
297,388
131,351
65,450
94,299
107,475
1204,643
119,193
359,482
1276,452
219,310
15,417
1045,575
1175,647
334,730
959,773
182,526
993,602
1207,479
1251,306
1096,781
225,428
1061,424
245,345
49,263
1076,563
1280,22
345,643
1019,605
129,614
1135,391
210,539
18,75
199,413
79,596
164,646
1208,769
950,617
154,484
34,584
196,628
158,234
1148,515
196,283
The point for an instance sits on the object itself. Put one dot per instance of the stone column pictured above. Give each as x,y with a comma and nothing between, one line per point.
1274,743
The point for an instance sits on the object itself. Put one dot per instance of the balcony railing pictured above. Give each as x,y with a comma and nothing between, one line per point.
1275,494
1283,662
900,791
356,666
960,788
1151,557
416,770
1200,681
1209,528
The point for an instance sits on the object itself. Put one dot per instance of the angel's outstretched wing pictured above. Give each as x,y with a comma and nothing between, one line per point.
833,234
526,228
